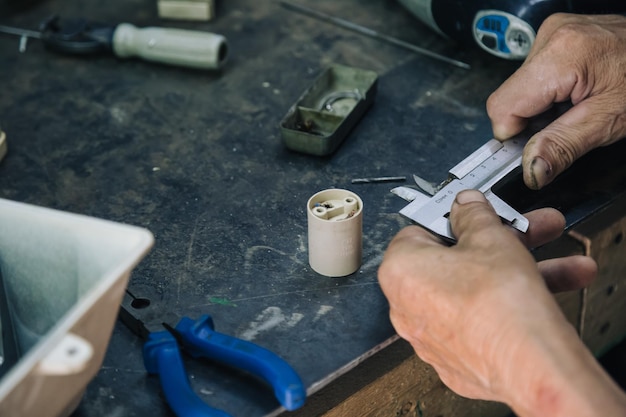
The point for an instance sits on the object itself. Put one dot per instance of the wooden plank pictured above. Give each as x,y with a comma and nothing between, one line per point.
412,389
606,296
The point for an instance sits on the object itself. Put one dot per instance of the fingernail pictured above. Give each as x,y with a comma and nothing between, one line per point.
540,171
469,196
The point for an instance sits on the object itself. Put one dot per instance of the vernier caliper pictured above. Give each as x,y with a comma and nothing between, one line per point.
479,171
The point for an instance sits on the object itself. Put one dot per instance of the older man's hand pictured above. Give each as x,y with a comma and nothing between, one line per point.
577,58
482,315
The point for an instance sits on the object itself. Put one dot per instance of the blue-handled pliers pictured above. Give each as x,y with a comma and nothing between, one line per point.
198,338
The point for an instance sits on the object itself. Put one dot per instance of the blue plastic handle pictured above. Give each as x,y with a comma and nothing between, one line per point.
201,340
162,357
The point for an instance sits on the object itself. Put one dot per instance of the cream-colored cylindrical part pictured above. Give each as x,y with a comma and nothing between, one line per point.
187,48
335,227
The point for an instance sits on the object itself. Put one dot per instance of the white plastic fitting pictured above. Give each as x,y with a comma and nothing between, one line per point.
335,228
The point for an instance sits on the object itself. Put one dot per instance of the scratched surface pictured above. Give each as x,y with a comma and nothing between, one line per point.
197,159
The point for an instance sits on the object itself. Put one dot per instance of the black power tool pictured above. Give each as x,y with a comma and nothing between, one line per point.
505,28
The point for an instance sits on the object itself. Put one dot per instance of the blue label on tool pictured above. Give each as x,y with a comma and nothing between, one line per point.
494,28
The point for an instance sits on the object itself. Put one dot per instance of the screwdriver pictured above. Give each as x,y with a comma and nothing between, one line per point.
186,48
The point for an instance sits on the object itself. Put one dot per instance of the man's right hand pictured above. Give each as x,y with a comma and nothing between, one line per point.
577,58
481,314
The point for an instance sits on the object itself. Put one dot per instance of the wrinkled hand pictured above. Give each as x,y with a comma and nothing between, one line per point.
574,58
471,309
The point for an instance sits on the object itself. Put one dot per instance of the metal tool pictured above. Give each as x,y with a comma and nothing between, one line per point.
377,179
371,33
198,338
186,48
479,171
505,28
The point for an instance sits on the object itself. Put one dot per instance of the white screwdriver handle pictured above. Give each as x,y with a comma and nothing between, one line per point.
180,47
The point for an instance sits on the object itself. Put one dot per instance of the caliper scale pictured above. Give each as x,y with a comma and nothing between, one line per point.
479,171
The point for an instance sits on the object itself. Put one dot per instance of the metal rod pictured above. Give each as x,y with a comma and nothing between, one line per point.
371,33
377,179
23,43
20,32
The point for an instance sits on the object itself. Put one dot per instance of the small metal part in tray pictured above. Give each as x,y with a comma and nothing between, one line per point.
326,112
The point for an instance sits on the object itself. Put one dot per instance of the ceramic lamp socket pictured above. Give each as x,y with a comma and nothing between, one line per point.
335,228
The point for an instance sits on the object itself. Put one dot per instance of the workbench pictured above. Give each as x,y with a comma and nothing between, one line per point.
197,158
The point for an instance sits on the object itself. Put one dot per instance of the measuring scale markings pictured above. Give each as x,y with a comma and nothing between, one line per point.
479,171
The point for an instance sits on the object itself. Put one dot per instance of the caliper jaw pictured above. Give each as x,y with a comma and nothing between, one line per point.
440,225
480,171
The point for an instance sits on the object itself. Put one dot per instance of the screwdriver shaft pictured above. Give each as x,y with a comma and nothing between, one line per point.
371,33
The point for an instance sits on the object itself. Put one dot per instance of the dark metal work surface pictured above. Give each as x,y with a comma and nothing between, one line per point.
197,158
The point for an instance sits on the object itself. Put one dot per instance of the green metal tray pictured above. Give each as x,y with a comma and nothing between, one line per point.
326,112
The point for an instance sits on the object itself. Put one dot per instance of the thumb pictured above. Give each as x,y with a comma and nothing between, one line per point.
587,125
471,217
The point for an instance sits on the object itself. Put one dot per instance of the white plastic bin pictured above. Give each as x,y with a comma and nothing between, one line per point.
64,276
